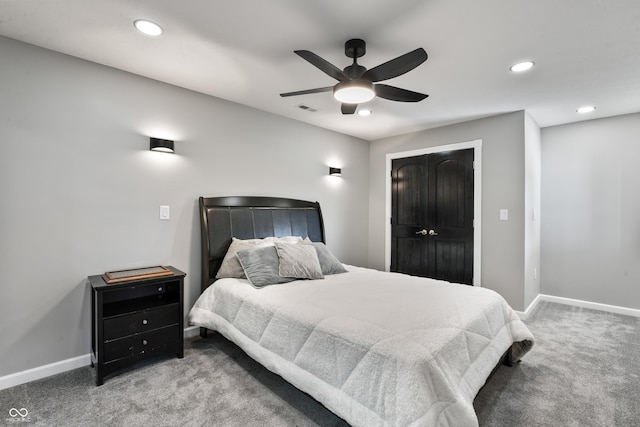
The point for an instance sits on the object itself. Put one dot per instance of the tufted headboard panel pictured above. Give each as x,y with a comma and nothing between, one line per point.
244,217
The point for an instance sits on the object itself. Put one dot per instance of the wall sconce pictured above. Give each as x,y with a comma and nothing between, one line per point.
164,145
335,171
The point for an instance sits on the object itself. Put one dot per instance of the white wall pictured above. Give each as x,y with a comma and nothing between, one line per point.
591,211
503,186
532,217
81,191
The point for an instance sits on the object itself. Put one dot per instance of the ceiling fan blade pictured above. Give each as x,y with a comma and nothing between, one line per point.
393,93
397,66
308,91
348,108
323,65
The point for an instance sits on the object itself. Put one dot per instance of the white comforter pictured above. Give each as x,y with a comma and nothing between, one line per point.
376,348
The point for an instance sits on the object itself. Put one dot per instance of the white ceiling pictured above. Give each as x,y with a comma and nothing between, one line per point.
586,52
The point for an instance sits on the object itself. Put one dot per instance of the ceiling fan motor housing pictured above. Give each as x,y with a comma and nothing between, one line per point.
354,71
355,48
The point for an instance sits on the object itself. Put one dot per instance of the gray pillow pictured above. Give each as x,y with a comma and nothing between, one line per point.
328,262
261,266
299,261
230,266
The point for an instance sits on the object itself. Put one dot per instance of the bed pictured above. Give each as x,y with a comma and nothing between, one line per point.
376,348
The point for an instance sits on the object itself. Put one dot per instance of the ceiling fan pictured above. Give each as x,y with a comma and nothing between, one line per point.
356,83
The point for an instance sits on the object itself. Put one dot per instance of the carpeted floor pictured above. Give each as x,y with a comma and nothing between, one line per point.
583,371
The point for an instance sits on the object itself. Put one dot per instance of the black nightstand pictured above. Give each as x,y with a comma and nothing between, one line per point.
135,320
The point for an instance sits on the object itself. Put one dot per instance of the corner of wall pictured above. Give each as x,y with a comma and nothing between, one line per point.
532,205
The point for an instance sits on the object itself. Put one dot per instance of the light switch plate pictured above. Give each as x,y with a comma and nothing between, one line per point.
165,213
504,214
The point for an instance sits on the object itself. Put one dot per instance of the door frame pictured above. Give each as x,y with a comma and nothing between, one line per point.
477,198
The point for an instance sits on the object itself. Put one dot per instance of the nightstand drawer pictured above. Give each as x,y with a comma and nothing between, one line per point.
142,343
135,323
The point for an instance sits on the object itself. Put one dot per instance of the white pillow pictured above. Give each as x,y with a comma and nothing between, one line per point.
284,239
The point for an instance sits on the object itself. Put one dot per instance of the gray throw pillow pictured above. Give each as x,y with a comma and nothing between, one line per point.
299,261
328,262
230,266
261,266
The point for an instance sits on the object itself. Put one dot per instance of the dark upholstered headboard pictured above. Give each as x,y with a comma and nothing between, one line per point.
222,218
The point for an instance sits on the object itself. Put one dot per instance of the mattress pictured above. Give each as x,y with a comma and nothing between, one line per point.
376,348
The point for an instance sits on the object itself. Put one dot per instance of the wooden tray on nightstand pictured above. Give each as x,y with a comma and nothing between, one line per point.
135,274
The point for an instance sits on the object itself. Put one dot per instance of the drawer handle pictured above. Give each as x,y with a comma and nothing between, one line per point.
144,321
160,289
144,342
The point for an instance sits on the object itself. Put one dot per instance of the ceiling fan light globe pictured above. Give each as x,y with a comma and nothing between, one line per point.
354,91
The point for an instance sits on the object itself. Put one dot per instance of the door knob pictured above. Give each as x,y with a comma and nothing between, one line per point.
423,232
432,233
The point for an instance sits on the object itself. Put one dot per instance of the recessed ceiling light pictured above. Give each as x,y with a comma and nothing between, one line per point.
586,109
364,112
522,66
147,27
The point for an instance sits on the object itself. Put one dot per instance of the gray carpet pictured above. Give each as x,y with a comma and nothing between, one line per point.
583,371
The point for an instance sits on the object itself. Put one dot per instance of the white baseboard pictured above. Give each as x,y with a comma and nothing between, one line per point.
525,314
191,331
44,371
29,375
577,303
586,304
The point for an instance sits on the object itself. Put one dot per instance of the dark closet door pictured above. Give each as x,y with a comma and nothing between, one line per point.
432,216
